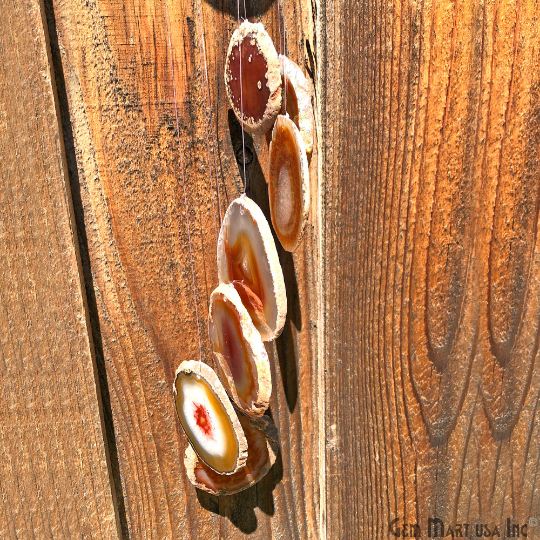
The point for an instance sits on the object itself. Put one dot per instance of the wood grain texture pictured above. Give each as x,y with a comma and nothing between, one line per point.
432,174
54,478
113,61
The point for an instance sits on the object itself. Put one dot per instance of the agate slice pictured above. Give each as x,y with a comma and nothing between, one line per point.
297,100
288,183
208,418
242,361
254,307
247,254
262,451
259,95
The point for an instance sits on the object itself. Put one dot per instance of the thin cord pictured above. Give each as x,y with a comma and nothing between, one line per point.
242,97
279,24
285,49
283,52
183,182
203,71
211,121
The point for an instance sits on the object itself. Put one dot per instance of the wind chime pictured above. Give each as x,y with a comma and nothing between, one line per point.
232,444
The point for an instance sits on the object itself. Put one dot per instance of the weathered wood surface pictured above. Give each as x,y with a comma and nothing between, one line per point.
115,77
432,263
54,479
406,380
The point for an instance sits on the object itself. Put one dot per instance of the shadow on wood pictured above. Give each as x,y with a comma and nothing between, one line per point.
239,508
253,8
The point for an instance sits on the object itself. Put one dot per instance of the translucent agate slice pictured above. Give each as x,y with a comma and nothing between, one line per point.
288,183
260,92
247,253
262,451
242,361
254,307
208,418
297,100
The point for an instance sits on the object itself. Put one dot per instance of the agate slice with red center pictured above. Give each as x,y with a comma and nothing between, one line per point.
297,100
208,418
255,96
262,451
247,254
288,183
242,361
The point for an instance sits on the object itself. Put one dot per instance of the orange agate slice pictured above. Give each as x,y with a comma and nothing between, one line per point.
297,100
253,305
288,183
262,451
208,418
242,361
258,91
247,254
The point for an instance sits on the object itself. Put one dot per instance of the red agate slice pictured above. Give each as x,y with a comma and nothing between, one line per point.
258,91
247,254
242,361
288,183
297,100
262,451
208,418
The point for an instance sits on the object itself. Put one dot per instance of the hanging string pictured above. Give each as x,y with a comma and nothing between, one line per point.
242,96
283,52
204,77
285,47
209,97
183,181
279,25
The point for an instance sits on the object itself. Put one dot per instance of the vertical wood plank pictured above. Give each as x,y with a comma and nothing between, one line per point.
126,177
432,171
54,478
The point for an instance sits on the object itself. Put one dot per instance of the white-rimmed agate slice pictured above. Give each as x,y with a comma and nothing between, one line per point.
262,451
255,96
208,418
298,102
247,254
288,183
241,360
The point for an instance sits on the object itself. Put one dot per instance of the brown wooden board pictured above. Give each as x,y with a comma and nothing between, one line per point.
431,264
54,478
113,68
406,380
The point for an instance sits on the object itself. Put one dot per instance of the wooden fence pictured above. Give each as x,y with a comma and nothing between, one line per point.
405,382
